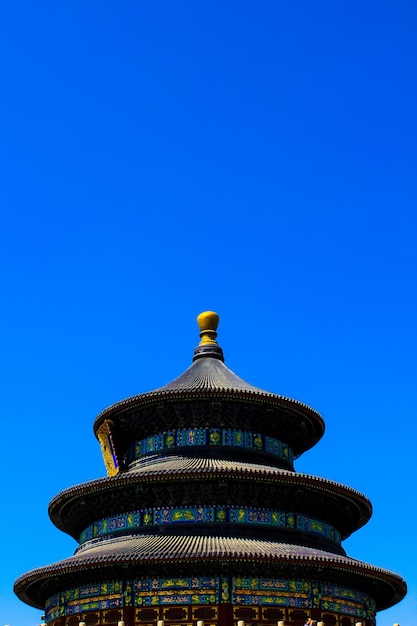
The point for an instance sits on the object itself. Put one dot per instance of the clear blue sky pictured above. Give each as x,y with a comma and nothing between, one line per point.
162,158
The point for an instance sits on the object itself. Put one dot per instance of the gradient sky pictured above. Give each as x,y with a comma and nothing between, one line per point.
163,158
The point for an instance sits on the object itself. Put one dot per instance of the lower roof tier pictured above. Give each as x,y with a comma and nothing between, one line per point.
167,555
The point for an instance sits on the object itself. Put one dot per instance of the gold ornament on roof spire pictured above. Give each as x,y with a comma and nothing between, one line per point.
207,323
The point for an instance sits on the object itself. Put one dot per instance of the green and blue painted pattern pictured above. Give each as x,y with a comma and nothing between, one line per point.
118,525
169,591
239,591
303,594
215,437
94,597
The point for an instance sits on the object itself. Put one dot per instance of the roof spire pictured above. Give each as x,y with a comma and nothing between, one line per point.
208,346
207,323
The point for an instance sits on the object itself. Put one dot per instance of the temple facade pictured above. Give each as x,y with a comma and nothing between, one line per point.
202,516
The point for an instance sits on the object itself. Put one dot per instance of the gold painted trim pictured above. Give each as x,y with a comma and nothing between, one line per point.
104,435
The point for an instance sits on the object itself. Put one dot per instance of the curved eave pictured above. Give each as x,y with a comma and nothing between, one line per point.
252,396
176,468
127,555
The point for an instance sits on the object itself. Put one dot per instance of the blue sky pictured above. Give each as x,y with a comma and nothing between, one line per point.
163,158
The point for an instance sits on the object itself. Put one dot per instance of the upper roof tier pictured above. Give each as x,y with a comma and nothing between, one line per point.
208,380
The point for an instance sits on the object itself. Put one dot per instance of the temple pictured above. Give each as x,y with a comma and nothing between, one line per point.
202,516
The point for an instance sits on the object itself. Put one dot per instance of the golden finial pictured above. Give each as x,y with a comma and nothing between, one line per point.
208,322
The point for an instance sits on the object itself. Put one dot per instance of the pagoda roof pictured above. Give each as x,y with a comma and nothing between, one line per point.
208,397
209,377
175,468
141,551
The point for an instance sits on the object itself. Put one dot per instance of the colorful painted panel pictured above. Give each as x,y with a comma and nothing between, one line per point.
172,516
271,592
305,594
225,437
117,525
237,438
346,600
177,591
108,595
274,446
239,591
191,437
150,445
54,607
